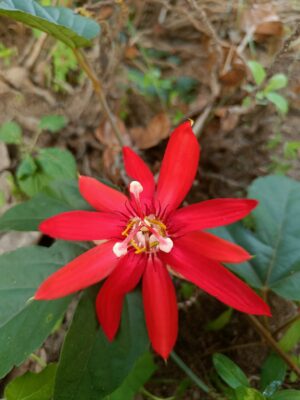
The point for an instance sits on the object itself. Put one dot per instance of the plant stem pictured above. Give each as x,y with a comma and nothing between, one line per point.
286,324
87,68
272,343
191,375
38,360
151,396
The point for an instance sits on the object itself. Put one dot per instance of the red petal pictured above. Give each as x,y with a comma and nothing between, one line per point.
110,298
160,307
100,196
213,278
211,213
82,225
179,167
139,171
85,270
213,247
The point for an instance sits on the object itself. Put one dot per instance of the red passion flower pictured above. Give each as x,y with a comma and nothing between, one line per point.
148,238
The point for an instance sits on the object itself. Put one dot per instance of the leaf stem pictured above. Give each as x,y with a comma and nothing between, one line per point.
38,360
151,396
264,333
181,364
97,85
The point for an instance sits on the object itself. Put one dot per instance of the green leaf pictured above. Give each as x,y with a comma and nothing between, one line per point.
49,165
56,198
140,374
245,393
59,22
53,123
11,133
229,371
32,386
278,81
287,395
272,374
275,240
258,72
291,337
25,324
279,101
90,366
221,321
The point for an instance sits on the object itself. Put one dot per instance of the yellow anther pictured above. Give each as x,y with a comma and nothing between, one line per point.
141,250
154,244
129,226
156,222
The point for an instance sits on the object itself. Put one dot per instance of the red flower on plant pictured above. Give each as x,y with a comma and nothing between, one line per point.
147,237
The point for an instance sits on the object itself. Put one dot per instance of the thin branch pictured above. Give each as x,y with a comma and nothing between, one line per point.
97,85
264,333
286,325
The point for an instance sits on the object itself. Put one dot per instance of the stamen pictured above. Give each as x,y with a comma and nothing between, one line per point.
120,249
136,189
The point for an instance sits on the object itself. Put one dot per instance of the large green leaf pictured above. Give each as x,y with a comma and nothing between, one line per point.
56,198
140,374
90,366
24,324
276,237
62,23
32,386
49,165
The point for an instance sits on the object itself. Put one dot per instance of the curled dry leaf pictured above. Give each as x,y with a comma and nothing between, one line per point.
157,129
111,147
262,20
233,69
228,119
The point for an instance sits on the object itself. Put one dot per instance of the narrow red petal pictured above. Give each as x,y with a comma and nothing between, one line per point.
213,247
82,225
85,270
139,171
160,307
178,168
110,298
213,278
100,196
211,213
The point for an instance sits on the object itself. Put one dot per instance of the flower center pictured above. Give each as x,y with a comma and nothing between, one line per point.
145,234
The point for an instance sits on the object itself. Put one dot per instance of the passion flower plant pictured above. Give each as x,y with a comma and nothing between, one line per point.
146,237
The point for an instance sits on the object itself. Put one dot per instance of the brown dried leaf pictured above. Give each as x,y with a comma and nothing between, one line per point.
112,148
263,20
229,122
131,52
157,130
234,69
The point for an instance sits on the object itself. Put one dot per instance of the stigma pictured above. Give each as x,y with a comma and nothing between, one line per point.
144,235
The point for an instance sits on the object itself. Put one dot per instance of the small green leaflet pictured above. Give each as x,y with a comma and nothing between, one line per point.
229,371
34,173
